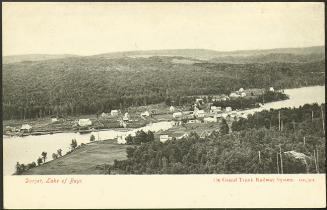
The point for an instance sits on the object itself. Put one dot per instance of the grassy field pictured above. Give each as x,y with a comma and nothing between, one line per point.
88,159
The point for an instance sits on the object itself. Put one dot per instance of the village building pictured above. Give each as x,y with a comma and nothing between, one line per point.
54,119
234,95
114,112
228,109
11,129
199,113
215,109
84,122
145,114
191,121
271,89
199,101
224,115
26,128
204,134
104,115
218,115
242,115
241,90
243,94
126,117
188,113
164,138
171,109
182,136
233,114
254,92
209,119
222,97
177,115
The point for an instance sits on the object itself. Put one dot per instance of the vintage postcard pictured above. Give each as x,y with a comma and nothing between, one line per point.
163,105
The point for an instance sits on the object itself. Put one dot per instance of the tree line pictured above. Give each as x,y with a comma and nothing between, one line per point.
243,103
254,149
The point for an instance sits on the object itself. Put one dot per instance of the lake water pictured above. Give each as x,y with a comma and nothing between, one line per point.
297,97
28,149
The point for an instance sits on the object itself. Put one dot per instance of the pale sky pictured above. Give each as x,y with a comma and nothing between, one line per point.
92,28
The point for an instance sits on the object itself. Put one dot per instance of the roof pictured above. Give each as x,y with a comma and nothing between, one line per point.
26,126
177,113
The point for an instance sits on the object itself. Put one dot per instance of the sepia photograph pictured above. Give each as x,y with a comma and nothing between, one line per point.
212,88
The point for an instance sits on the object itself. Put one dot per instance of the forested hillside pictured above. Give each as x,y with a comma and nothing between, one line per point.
273,57
224,56
254,148
33,57
87,85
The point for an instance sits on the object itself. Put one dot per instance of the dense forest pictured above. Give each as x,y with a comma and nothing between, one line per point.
244,103
255,148
89,85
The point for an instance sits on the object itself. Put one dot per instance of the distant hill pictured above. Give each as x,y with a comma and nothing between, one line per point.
272,57
306,54
33,57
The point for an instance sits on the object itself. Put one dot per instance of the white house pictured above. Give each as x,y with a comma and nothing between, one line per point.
228,109
199,100
164,138
104,115
243,94
114,112
215,109
26,127
177,115
234,95
241,90
145,114
271,89
233,114
209,119
126,117
121,139
182,136
172,109
224,115
54,119
199,113
84,122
